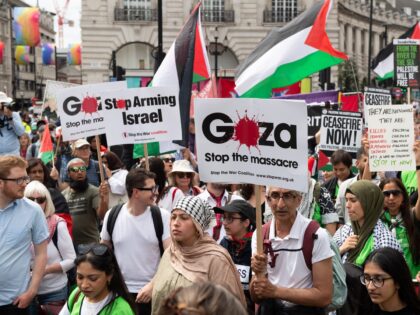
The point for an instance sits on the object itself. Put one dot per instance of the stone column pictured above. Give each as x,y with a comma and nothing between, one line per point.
358,48
376,44
349,40
342,36
366,52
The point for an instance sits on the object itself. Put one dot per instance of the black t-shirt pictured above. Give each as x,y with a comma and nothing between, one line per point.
404,311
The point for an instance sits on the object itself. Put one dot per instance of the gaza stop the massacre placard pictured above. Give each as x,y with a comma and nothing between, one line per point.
254,141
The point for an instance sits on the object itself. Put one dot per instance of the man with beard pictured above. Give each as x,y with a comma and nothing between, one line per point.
22,223
217,196
87,203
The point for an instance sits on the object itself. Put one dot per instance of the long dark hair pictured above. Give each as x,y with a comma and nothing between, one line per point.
47,181
108,263
407,217
157,166
114,162
393,263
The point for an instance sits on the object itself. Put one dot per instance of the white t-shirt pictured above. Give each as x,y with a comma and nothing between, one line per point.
290,270
136,246
89,308
55,281
170,199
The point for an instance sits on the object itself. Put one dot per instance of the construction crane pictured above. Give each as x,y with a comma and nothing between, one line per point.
61,14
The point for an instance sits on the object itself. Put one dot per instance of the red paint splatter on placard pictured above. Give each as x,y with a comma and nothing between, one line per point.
121,104
89,105
247,132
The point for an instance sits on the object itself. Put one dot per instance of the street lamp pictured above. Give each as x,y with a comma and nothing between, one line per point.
217,49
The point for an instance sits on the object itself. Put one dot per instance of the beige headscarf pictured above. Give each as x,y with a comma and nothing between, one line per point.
196,263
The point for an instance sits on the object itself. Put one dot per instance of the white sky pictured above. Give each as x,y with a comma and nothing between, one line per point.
71,34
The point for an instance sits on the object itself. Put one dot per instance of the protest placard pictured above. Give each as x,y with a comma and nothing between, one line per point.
391,138
254,141
376,96
142,115
49,106
406,62
81,110
341,130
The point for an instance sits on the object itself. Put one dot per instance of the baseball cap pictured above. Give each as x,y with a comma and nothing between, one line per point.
80,143
240,206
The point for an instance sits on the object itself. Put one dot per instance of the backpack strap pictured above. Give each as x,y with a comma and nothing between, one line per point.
308,242
173,193
158,224
112,218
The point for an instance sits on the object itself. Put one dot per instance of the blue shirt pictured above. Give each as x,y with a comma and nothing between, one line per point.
21,223
10,131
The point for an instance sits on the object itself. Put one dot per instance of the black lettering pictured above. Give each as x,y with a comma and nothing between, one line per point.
72,109
291,129
268,129
227,130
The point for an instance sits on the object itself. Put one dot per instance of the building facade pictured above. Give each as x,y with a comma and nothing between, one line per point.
24,82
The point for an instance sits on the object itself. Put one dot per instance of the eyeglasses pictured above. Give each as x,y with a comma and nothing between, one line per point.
153,189
19,180
378,282
77,169
39,200
183,175
229,220
97,249
167,160
395,193
287,196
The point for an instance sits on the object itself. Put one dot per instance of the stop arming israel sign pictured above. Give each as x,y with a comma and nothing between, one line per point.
341,130
252,141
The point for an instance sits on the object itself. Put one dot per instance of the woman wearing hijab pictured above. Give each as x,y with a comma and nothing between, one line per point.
364,234
193,255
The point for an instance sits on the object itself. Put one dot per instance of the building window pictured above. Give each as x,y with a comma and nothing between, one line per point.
214,10
137,4
283,10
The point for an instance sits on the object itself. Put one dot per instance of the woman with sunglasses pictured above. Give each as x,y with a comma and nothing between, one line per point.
402,222
101,289
52,292
388,282
193,255
181,183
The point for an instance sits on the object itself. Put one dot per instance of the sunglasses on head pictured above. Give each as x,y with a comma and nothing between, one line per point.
394,192
96,249
183,174
38,200
167,160
78,169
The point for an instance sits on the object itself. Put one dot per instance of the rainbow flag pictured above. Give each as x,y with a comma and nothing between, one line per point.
26,26
22,55
48,54
1,52
74,55
46,150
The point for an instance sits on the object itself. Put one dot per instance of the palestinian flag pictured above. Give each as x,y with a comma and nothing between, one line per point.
155,149
186,62
46,150
289,54
383,63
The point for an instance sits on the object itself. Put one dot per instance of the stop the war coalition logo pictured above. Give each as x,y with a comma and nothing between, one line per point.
142,115
252,141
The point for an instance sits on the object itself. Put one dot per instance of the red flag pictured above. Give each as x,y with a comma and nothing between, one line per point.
350,102
208,91
322,159
46,147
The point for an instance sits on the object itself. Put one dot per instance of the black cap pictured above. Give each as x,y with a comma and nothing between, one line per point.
240,206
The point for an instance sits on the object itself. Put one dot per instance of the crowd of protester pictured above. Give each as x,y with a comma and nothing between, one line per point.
156,240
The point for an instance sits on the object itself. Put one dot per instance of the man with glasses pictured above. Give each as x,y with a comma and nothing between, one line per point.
284,280
11,127
22,223
87,203
138,232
